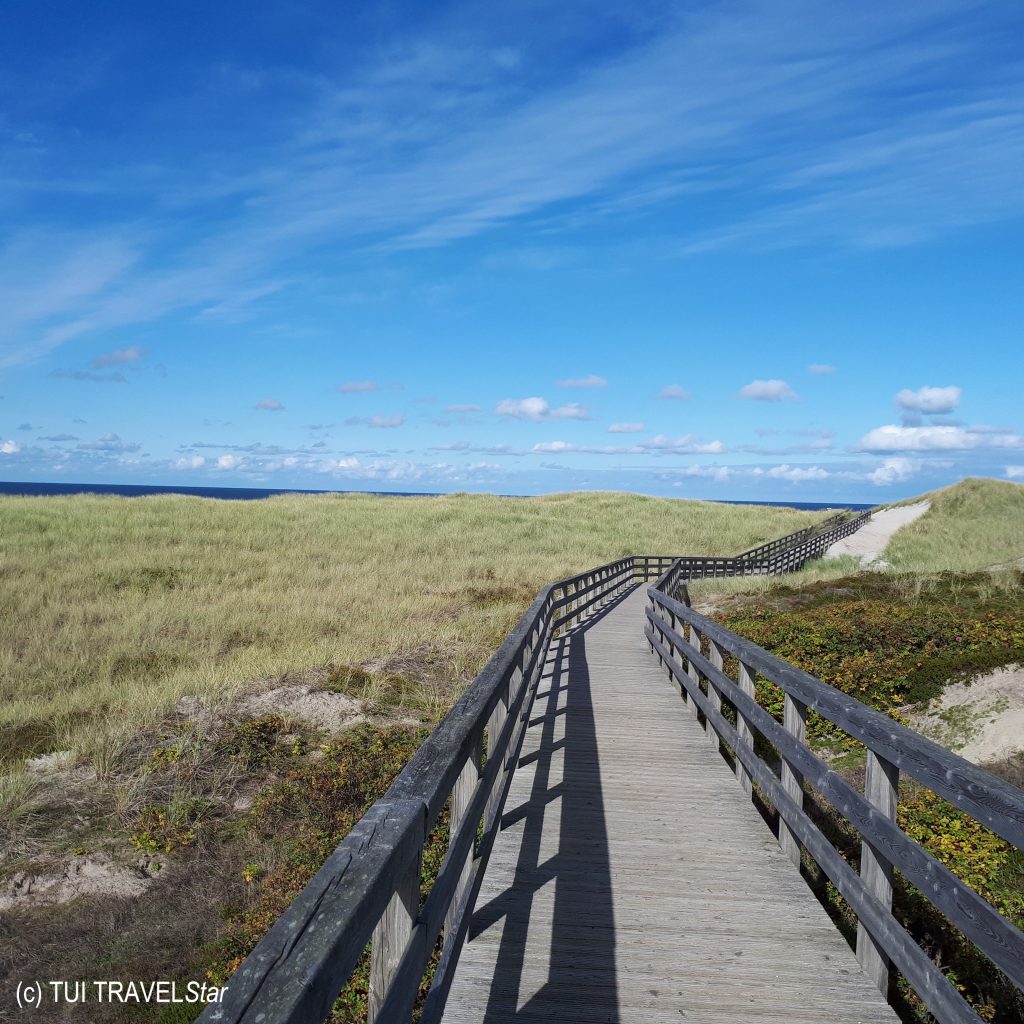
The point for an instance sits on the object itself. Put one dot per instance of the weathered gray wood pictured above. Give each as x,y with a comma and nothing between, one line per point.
993,934
495,725
391,936
714,695
881,789
794,721
991,801
944,1002
620,887
462,797
743,730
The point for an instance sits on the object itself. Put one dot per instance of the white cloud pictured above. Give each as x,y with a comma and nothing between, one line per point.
590,381
269,405
229,462
1015,472
9,448
456,410
109,443
351,387
798,474
821,368
930,400
891,438
767,391
119,357
893,471
674,391
190,462
537,409
626,428
688,444
377,422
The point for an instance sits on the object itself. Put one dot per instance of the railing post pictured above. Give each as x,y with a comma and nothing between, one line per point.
462,795
391,936
495,724
881,789
691,669
746,733
794,721
716,659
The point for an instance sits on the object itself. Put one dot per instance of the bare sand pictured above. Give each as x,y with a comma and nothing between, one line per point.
982,720
870,540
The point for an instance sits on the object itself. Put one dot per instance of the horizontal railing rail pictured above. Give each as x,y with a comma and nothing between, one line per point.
675,632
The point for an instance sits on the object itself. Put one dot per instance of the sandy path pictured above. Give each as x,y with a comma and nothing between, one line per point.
870,540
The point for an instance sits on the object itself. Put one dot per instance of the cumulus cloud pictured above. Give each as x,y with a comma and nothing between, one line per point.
191,462
717,473
891,438
798,474
767,391
892,471
377,422
269,405
674,391
457,410
9,447
626,428
820,368
109,443
351,387
930,400
229,462
537,409
1015,472
590,381
119,357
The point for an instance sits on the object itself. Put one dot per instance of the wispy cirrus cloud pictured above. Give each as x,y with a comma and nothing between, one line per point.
673,392
118,357
375,422
270,405
589,381
626,428
821,369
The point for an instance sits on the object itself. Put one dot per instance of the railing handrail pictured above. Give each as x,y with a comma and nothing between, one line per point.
892,749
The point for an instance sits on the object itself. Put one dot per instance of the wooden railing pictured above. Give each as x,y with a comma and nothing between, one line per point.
368,890
676,632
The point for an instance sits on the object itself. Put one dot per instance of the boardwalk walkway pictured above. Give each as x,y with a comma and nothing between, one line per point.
633,880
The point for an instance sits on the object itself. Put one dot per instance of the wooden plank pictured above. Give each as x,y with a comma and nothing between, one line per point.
881,789
794,721
743,730
391,937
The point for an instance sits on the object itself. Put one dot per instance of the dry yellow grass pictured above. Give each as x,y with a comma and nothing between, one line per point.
113,608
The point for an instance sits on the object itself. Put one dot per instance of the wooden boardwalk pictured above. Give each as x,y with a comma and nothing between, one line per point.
633,880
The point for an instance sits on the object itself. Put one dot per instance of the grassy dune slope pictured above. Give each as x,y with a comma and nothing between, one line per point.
114,607
972,525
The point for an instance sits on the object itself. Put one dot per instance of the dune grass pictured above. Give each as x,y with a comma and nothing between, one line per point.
114,607
975,524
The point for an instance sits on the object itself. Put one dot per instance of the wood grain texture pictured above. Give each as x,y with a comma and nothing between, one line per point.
621,886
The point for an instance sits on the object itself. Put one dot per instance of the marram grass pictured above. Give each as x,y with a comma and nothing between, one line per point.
113,608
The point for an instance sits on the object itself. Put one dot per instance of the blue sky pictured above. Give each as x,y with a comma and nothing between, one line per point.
737,250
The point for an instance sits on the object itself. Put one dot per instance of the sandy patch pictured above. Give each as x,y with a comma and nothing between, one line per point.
870,540
981,720
323,709
91,875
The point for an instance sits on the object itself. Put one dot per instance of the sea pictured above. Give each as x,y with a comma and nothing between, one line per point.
257,493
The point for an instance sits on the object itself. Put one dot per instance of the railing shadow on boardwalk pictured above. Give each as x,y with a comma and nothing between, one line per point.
567,781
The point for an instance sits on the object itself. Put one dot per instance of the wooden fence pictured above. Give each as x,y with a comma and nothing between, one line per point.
732,716
368,890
